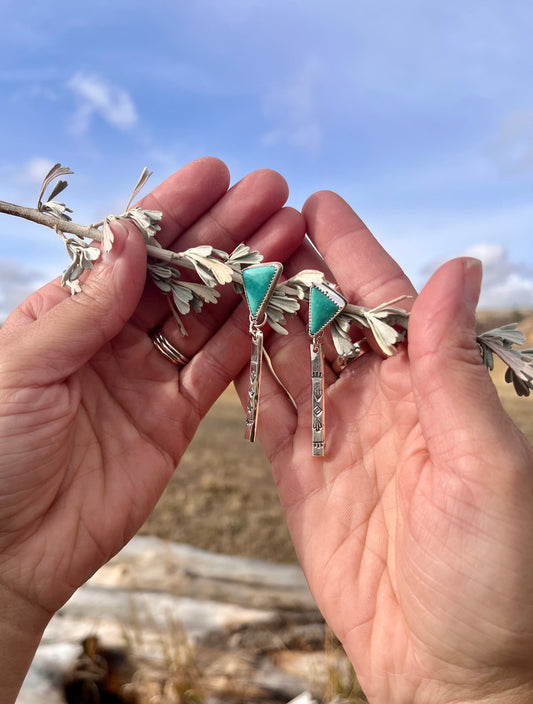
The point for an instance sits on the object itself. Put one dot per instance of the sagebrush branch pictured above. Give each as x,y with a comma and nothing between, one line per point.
387,323
91,232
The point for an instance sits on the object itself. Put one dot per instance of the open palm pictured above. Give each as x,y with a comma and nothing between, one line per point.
94,419
415,529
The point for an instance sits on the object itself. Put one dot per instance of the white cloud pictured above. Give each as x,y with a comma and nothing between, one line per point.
34,92
512,148
292,106
34,170
17,282
421,236
96,96
515,291
506,284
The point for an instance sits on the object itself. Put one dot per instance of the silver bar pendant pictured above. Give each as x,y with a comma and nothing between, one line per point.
256,358
317,401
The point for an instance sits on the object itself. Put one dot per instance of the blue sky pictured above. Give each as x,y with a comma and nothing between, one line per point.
419,113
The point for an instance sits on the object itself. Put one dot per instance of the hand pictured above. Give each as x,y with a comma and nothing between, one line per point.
93,419
415,531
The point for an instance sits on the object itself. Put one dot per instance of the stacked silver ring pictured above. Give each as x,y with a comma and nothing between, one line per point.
166,349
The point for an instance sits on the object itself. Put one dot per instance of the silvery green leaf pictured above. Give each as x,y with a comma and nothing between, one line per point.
201,250
146,221
204,273
71,275
243,256
284,289
222,272
59,210
162,271
209,270
344,322
506,335
150,216
55,172
303,281
280,300
197,304
81,251
143,178
220,254
276,319
521,386
203,293
175,315
57,189
69,271
182,298
107,236
74,285
385,335
82,256
521,365
486,356
519,362
92,253
162,285
357,315
341,339
238,288
275,324
393,316
307,277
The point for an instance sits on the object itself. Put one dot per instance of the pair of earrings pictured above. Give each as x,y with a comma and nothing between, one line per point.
259,283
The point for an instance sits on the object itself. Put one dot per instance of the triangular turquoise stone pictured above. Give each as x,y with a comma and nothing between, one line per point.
324,305
259,282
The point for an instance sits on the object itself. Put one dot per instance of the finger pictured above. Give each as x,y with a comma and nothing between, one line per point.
366,273
183,198
276,239
186,195
456,400
307,257
63,336
238,214
233,219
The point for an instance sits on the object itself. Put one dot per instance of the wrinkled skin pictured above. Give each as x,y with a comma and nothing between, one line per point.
415,531
93,419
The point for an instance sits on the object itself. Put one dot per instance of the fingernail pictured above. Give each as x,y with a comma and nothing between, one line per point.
472,276
120,238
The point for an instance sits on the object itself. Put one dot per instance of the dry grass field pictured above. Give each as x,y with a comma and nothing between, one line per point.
222,497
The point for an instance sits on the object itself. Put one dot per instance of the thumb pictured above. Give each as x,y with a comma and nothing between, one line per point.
72,331
452,386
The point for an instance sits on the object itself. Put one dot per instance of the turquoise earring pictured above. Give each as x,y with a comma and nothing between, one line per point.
259,283
324,305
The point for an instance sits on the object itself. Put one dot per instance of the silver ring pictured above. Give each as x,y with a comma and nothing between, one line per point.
343,360
167,350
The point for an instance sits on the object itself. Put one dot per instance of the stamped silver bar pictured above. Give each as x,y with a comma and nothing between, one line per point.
317,401
256,358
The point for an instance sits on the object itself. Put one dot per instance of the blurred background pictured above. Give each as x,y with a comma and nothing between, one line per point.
419,114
